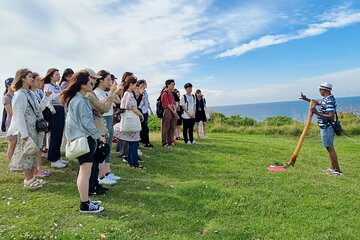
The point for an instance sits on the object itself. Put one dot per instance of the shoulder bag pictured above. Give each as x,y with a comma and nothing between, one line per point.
336,125
130,122
41,125
77,148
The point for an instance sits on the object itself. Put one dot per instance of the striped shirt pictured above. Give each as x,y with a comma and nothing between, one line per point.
328,105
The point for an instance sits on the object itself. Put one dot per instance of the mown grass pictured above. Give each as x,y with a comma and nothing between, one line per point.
217,189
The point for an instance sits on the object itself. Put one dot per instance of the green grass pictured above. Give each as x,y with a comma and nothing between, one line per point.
217,189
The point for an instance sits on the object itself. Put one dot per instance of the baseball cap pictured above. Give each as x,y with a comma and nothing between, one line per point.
9,80
113,77
92,73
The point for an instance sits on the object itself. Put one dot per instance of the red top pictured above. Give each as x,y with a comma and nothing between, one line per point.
167,98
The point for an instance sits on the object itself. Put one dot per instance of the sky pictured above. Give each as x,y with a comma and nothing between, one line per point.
236,52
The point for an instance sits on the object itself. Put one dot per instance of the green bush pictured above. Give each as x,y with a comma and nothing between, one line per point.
154,123
278,121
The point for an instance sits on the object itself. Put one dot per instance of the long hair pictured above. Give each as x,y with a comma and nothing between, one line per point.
126,74
76,81
67,72
49,75
129,80
19,76
103,75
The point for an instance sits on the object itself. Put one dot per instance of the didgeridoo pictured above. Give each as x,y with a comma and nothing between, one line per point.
293,157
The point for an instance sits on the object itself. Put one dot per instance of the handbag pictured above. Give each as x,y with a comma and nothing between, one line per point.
102,151
30,147
336,125
47,114
41,125
77,148
130,122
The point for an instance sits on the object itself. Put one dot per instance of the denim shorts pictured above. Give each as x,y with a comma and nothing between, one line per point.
327,136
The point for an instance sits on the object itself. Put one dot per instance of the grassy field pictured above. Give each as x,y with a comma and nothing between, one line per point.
217,189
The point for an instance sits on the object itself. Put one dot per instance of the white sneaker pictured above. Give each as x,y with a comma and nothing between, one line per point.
140,152
335,173
58,164
188,142
113,177
106,181
193,142
63,161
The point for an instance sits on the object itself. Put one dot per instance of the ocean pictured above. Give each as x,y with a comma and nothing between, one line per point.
298,110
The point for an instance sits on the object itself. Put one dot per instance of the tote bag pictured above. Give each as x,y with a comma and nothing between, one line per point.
130,122
77,148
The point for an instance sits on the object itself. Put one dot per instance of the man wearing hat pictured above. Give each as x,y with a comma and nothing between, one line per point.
325,119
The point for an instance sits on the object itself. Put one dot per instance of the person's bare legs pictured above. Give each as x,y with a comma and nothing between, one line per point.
197,129
333,159
29,173
102,168
38,168
204,129
11,148
83,181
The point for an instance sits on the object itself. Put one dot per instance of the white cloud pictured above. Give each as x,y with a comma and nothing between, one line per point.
335,19
345,83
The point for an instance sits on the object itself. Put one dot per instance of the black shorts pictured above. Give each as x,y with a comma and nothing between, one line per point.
200,116
88,157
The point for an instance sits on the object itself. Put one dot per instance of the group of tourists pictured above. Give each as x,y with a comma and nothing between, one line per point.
45,115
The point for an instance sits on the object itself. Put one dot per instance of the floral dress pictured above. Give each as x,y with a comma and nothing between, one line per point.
21,161
128,102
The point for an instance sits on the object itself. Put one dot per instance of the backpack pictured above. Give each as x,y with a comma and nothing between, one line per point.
186,102
4,116
159,107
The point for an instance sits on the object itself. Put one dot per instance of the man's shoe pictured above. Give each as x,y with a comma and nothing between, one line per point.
149,145
57,164
193,142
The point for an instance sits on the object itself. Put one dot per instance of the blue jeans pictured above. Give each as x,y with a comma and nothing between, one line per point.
109,126
327,136
133,154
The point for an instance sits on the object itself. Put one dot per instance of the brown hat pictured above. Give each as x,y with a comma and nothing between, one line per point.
92,73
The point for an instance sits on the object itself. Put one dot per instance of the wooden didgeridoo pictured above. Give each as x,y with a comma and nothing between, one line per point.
293,157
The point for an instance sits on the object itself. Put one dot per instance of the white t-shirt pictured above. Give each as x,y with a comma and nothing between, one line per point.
101,94
55,95
189,104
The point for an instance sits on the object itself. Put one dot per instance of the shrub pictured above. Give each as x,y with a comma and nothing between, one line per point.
278,121
154,123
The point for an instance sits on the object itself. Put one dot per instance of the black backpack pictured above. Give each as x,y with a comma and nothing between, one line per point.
159,108
186,102
4,116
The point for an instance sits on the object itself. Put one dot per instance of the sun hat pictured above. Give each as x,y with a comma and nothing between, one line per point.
92,73
326,86
8,81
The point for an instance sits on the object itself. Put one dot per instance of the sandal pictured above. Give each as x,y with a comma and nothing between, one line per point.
32,183
43,174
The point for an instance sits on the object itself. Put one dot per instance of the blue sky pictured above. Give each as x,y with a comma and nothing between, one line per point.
237,52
